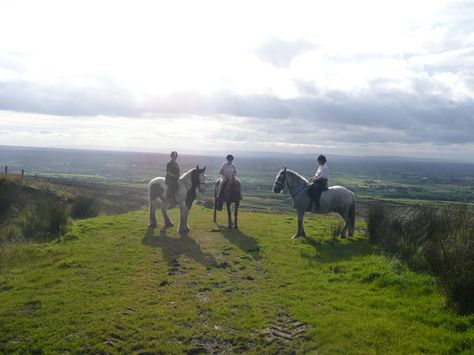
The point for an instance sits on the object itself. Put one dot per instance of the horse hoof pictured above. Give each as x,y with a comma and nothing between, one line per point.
296,236
152,225
230,227
169,225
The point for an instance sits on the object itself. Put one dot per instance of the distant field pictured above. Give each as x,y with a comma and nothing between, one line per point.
390,180
112,286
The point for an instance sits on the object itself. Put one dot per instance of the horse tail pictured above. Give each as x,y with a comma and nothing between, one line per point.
149,193
352,217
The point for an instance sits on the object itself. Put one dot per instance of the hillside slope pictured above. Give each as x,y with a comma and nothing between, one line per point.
112,286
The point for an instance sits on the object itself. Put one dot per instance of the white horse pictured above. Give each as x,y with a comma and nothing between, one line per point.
336,199
185,196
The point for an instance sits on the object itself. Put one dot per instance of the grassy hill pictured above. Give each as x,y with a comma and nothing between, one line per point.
112,286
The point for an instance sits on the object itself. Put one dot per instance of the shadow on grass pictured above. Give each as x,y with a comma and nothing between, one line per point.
173,247
246,243
335,250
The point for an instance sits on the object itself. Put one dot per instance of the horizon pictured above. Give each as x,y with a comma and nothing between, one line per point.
372,77
248,154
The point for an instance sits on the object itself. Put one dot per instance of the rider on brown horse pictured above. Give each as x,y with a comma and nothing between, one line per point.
228,173
227,190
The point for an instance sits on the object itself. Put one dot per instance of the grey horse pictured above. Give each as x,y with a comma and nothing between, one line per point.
336,199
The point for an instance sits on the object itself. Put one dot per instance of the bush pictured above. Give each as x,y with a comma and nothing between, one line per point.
377,222
47,221
438,240
84,207
6,199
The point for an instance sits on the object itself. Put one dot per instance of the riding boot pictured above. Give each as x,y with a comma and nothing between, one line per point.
316,205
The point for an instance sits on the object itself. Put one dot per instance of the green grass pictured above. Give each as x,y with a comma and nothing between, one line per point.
114,287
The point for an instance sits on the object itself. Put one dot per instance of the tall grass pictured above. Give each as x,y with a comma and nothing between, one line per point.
6,199
84,207
438,240
46,221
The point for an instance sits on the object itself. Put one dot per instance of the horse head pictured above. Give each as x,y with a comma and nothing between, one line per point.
280,180
200,179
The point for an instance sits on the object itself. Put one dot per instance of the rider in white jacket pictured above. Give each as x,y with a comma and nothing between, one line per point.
319,181
228,172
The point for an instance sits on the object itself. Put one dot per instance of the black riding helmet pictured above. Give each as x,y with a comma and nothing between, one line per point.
322,159
229,157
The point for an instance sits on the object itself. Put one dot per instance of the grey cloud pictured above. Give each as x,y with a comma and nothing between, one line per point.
280,53
377,115
28,96
395,116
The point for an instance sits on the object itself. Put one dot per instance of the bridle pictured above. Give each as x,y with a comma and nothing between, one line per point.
196,181
281,184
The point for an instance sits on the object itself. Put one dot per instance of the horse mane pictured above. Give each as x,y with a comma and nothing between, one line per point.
187,173
297,175
191,195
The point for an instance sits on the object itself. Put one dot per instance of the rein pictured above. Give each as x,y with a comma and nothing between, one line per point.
301,187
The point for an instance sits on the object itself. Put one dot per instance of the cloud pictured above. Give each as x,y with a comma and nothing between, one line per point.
12,61
373,74
374,115
54,99
280,53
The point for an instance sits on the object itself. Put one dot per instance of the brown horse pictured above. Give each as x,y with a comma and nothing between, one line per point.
230,194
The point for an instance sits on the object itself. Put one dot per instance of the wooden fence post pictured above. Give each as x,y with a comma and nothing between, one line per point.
6,170
22,173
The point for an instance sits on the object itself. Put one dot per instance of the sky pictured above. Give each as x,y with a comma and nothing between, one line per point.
335,77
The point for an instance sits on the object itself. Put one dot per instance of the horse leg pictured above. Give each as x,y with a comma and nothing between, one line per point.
236,212
300,232
345,217
152,209
229,216
215,212
183,218
351,215
166,218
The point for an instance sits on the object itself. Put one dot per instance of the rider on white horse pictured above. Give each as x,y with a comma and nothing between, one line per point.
319,181
188,184
336,199
171,179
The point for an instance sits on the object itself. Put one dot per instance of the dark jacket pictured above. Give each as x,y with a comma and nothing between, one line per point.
172,167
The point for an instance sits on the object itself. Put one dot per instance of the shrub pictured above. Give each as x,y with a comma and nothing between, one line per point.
46,221
84,207
6,199
439,240
381,226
